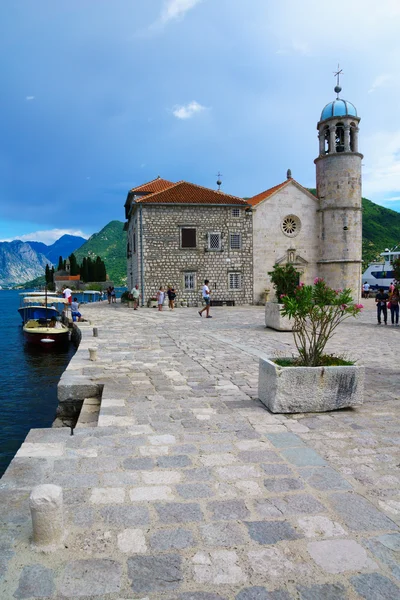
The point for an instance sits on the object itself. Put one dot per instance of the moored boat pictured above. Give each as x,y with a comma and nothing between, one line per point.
39,305
44,333
381,274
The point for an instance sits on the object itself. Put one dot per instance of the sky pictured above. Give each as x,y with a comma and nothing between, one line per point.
98,97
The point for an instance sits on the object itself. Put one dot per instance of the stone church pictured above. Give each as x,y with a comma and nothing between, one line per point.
180,233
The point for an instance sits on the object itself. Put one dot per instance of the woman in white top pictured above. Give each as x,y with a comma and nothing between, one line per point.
206,298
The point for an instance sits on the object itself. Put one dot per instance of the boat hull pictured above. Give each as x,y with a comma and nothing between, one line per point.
46,338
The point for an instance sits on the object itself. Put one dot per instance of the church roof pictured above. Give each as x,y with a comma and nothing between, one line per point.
189,193
338,108
268,193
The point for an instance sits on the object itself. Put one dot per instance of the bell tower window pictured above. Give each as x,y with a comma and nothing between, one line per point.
326,140
353,137
339,140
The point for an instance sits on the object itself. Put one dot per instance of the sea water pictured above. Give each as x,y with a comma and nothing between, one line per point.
28,380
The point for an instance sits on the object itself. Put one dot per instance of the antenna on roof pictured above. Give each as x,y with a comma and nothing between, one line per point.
219,182
337,74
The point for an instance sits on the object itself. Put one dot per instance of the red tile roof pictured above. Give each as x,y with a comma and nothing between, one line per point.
268,193
156,185
259,197
189,193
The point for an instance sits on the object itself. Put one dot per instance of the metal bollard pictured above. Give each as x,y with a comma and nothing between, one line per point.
93,353
46,504
95,332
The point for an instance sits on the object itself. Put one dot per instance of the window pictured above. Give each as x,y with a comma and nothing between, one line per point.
291,225
214,241
235,241
235,281
189,281
188,238
339,137
134,242
235,212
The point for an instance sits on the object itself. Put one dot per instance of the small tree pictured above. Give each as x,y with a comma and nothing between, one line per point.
316,311
60,266
284,278
73,265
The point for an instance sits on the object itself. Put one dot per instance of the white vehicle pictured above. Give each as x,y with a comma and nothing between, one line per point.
380,274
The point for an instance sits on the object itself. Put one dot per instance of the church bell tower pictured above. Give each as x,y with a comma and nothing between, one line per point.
338,172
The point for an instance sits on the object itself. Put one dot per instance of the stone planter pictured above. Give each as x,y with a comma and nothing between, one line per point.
274,319
309,389
131,304
152,304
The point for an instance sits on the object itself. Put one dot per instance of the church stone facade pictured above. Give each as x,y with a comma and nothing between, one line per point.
180,233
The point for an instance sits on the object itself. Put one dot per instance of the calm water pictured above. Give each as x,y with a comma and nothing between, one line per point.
28,381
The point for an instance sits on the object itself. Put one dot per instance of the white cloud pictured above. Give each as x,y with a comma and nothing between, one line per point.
381,176
379,81
187,111
176,9
29,98
47,236
394,199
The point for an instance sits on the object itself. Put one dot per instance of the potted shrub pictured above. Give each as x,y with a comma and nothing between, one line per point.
152,302
313,381
284,279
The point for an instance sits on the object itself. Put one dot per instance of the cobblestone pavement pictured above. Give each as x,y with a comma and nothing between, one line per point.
190,489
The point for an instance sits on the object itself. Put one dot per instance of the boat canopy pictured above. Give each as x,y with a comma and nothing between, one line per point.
42,299
39,294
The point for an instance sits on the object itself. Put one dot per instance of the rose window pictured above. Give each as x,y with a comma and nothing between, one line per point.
291,225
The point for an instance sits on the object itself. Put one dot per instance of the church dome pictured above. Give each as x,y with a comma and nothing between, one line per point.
338,108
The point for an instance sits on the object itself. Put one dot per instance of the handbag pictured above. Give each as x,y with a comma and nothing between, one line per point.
388,305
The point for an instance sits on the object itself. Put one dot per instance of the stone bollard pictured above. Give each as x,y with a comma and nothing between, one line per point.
93,353
95,332
46,504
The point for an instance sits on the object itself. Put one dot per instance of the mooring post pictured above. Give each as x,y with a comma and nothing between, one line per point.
46,504
95,332
93,353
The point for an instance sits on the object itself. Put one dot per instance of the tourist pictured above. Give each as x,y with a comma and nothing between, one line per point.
365,288
160,297
113,295
171,297
206,297
391,289
75,310
381,299
393,304
109,294
135,297
67,293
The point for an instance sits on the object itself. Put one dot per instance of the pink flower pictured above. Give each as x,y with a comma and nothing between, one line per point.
343,306
301,285
359,306
282,296
317,280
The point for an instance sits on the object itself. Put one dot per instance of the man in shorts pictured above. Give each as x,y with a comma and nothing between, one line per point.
206,297
135,296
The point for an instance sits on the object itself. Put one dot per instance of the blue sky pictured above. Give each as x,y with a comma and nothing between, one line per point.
100,96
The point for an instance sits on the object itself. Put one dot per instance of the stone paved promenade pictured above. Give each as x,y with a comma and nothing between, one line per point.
190,489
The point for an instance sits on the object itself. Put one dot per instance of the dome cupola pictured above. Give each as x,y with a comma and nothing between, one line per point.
338,108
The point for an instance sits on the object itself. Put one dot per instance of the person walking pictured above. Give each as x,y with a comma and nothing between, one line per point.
171,297
160,298
394,307
381,299
135,297
113,295
206,297
109,294
365,288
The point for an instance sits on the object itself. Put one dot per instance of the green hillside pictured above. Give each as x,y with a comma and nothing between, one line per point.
110,245
381,229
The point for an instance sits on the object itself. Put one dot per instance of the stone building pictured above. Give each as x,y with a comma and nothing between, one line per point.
321,235
180,234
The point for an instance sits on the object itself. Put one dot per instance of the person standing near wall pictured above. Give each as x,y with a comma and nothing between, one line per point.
135,297
171,297
160,298
206,297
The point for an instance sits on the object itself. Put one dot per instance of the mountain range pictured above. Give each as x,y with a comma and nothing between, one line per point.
23,261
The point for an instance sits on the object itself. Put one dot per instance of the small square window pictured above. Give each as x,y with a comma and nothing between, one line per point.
188,238
214,241
235,281
190,281
235,212
235,241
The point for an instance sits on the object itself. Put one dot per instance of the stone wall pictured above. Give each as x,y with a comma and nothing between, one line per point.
272,245
165,262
